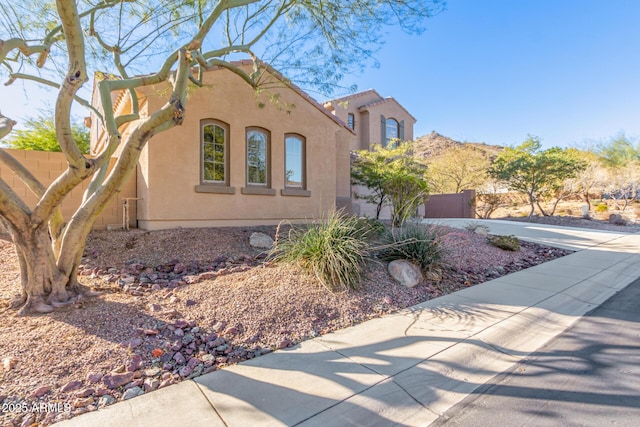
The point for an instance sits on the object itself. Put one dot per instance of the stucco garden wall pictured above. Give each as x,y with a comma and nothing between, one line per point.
46,167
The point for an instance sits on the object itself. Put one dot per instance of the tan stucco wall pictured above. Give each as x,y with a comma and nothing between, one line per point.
169,168
390,110
46,167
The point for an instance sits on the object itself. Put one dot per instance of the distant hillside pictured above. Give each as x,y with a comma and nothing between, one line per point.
433,144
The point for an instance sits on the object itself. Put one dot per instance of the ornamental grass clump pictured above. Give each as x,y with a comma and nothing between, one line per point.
419,244
334,250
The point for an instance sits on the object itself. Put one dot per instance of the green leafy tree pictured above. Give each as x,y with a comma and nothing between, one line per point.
458,168
391,175
619,152
143,43
535,172
40,134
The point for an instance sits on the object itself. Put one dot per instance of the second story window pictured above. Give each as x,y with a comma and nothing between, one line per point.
351,121
392,131
257,157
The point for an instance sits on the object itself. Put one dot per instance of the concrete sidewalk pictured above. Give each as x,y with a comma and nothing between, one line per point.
407,368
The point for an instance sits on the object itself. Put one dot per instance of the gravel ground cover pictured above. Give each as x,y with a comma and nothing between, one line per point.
179,303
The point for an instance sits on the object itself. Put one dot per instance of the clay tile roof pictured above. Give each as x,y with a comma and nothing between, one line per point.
384,101
353,96
296,89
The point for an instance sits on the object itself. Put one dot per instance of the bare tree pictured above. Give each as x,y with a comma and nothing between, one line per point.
62,45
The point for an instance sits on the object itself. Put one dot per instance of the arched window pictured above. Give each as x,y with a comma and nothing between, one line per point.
392,131
215,152
258,143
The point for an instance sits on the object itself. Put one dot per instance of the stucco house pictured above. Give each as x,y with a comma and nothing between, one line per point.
374,120
240,159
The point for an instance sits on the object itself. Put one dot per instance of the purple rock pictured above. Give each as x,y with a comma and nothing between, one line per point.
193,362
86,392
185,371
190,302
181,323
135,363
70,386
93,377
39,392
179,358
117,380
132,343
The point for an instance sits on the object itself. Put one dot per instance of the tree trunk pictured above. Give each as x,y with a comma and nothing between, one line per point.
532,201
44,285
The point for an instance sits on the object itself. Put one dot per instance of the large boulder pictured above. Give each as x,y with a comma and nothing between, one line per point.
616,219
405,273
260,240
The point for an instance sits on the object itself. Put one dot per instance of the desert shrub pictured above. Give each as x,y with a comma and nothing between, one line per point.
602,207
334,250
421,245
371,227
507,243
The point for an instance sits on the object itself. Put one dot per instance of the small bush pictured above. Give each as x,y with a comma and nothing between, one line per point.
371,227
602,207
507,243
420,244
334,250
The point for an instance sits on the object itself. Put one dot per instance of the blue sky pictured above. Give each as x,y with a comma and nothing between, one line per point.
494,71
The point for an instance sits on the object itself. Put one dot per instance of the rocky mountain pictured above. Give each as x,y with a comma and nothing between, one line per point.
433,144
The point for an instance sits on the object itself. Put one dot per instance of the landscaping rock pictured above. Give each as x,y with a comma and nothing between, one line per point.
152,372
117,380
151,384
132,343
39,392
616,219
135,363
405,273
132,392
93,377
86,392
106,400
260,241
71,386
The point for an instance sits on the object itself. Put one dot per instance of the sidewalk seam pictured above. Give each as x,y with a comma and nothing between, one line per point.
210,404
